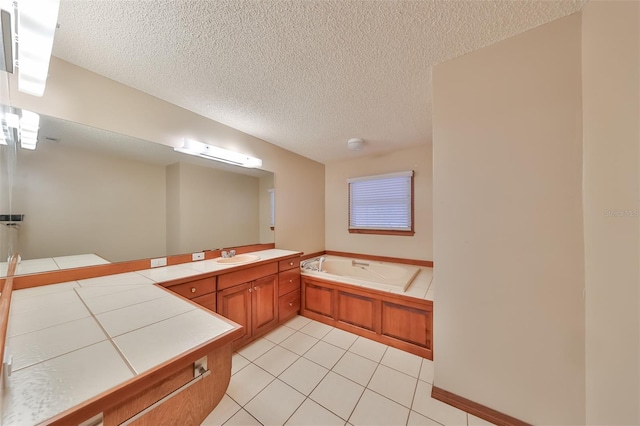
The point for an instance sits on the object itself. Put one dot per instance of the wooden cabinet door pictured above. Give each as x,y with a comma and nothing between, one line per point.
235,303
264,304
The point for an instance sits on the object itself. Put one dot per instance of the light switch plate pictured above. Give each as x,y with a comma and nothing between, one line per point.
161,261
197,256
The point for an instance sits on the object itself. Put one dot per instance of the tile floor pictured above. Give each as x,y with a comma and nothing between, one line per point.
308,373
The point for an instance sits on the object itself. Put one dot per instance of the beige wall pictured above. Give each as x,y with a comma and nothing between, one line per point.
78,202
338,237
508,243
611,114
209,201
81,96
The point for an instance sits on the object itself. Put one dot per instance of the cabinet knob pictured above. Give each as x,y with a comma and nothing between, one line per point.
255,288
193,289
250,289
290,281
290,303
290,263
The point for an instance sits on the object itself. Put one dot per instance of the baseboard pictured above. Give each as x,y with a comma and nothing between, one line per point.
478,410
416,262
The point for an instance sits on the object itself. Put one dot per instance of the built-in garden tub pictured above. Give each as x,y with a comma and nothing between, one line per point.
387,302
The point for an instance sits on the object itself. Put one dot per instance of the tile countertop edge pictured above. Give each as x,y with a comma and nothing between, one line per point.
227,268
125,390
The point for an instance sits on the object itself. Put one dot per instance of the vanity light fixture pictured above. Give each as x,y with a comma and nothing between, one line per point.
24,127
28,28
199,149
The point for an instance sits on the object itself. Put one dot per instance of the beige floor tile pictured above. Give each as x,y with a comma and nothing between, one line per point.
402,361
356,368
337,394
299,343
242,418
247,383
436,410
393,384
275,404
324,354
340,338
304,375
374,409
368,349
311,413
256,349
226,409
276,360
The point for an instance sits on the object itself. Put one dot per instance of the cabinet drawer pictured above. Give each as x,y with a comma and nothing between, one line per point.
289,304
208,301
246,275
292,263
289,281
196,288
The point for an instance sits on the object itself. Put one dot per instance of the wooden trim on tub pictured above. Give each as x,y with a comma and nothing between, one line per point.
416,262
478,410
5,305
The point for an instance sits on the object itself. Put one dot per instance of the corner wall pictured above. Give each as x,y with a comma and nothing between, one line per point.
338,238
508,236
611,111
78,95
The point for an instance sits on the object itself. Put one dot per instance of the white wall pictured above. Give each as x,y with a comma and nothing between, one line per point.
508,236
81,96
78,202
338,238
611,93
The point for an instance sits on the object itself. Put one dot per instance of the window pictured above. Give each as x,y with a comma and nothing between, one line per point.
381,204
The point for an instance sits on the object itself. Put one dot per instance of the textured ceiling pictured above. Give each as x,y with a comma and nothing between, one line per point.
306,75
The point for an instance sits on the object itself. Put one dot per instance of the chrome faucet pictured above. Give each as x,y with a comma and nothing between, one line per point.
227,254
320,261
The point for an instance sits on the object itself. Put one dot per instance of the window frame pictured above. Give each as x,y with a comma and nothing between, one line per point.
374,231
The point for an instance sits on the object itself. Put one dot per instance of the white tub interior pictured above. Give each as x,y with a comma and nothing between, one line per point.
372,273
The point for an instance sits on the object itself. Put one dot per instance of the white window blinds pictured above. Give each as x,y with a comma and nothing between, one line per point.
381,202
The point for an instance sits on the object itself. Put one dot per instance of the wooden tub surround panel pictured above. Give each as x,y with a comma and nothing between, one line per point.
399,321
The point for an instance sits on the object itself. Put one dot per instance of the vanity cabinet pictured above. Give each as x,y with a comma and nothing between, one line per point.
288,288
250,298
201,291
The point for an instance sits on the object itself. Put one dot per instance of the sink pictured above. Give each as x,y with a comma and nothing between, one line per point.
238,259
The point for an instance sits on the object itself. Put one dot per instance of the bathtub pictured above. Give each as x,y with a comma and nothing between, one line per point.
367,273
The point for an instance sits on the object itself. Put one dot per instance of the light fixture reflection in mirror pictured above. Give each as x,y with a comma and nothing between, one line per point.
86,190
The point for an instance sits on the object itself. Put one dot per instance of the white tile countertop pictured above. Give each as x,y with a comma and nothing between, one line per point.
72,341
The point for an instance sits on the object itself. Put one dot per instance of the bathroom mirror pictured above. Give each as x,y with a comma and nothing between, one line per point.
90,191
